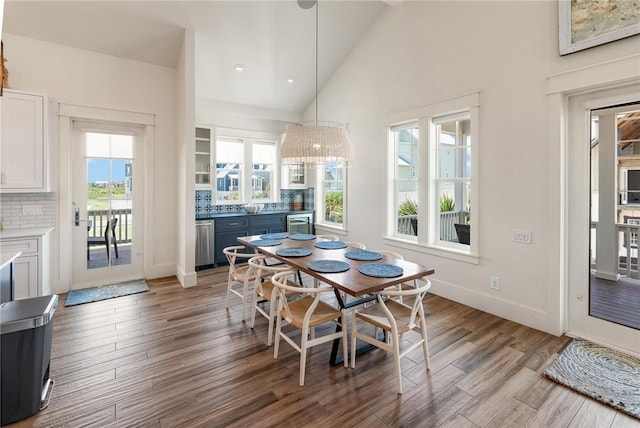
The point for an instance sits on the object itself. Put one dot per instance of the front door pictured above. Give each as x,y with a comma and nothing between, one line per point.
106,201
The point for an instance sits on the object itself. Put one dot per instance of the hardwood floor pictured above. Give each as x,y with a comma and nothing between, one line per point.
178,357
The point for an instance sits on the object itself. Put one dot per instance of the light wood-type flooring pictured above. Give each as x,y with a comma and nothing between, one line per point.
177,357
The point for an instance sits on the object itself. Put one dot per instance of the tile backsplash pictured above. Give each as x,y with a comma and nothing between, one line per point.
40,210
204,206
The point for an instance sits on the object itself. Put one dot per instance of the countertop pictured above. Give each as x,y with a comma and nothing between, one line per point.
208,216
8,257
24,233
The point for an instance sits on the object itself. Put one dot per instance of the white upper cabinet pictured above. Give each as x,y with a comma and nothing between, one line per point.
294,176
204,160
24,143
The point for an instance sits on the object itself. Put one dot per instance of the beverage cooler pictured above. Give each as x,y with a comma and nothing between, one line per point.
300,223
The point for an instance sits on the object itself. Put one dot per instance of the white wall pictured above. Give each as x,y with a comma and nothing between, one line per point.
80,77
418,53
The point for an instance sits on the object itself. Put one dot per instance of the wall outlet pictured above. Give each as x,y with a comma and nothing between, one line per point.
523,236
494,282
31,209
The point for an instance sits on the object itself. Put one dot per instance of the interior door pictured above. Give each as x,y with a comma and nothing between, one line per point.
107,204
587,220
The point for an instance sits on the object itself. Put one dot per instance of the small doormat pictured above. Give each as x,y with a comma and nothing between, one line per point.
603,374
87,295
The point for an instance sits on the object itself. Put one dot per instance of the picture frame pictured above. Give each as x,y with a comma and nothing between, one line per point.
585,24
2,63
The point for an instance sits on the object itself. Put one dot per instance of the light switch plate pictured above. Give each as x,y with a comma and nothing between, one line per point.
519,235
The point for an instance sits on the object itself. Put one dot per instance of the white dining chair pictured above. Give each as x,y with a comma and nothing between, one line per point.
239,274
328,237
395,318
356,245
263,290
305,314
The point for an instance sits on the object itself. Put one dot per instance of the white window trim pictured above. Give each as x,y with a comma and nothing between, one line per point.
247,137
424,115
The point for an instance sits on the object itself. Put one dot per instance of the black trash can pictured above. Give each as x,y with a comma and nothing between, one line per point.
26,328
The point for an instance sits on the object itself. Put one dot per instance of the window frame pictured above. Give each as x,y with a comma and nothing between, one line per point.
428,239
248,138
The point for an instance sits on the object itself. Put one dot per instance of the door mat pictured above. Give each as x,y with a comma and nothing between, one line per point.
604,374
87,295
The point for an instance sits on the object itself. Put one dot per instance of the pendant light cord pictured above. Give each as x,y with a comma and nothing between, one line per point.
317,7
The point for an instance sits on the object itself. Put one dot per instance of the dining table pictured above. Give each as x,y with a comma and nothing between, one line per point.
337,264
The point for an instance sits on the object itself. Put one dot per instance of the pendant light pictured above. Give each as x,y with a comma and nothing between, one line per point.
319,142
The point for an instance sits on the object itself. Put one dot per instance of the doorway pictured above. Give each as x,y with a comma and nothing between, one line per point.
598,238
107,195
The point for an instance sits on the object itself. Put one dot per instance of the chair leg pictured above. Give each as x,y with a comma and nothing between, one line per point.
396,360
115,247
273,304
345,339
245,288
229,282
353,341
276,345
425,343
303,358
253,309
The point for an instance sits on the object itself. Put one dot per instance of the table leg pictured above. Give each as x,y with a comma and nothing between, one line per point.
336,359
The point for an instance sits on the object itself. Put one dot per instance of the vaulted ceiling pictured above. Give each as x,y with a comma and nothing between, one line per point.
273,40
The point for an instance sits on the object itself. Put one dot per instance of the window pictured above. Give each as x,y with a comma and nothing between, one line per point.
405,160
234,181
453,180
332,193
431,172
264,165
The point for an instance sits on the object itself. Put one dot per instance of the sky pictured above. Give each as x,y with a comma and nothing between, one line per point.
98,170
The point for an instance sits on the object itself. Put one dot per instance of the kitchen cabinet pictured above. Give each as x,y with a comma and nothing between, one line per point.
204,157
24,152
229,228
31,268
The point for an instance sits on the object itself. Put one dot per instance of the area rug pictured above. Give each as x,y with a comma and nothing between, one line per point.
87,295
604,374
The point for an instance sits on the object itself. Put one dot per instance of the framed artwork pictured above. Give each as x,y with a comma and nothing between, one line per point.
2,83
588,23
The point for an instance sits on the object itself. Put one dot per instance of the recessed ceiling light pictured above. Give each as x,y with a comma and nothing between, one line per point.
290,80
238,68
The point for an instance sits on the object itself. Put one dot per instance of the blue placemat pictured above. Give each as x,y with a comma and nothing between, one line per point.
363,255
381,270
328,266
266,242
302,236
293,252
280,235
330,245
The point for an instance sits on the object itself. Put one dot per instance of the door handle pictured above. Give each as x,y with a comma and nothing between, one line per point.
76,216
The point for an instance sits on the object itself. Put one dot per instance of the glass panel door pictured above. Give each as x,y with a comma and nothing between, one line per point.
107,196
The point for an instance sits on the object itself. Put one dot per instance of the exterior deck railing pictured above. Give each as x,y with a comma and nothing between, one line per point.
99,219
626,241
408,224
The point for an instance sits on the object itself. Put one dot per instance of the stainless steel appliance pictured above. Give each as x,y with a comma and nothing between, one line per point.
300,223
205,254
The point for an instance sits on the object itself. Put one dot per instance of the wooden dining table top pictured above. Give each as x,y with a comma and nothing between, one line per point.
351,281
